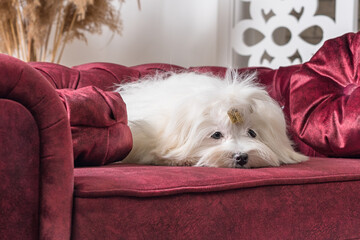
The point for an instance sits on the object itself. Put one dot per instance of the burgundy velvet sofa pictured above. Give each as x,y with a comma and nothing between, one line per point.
53,118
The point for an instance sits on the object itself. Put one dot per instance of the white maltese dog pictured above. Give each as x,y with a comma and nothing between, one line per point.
191,119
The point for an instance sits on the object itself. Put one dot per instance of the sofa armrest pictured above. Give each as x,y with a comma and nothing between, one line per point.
36,158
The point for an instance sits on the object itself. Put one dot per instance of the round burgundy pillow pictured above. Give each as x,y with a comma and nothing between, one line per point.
325,98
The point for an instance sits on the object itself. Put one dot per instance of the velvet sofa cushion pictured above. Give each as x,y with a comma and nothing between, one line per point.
325,97
316,199
155,181
99,127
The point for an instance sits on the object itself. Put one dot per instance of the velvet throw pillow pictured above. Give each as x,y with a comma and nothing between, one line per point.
99,127
325,98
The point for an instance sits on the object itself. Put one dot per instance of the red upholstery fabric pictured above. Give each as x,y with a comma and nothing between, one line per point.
22,84
325,96
99,127
19,172
311,200
100,75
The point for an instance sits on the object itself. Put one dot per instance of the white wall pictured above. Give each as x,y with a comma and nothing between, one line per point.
181,32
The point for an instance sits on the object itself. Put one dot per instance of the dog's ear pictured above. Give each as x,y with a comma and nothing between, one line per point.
260,97
271,124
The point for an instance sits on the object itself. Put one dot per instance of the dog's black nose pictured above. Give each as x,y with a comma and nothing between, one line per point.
241,158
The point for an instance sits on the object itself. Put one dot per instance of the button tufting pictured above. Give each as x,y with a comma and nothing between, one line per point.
350,88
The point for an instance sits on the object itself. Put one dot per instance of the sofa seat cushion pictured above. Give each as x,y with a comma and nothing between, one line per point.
150,181
317,199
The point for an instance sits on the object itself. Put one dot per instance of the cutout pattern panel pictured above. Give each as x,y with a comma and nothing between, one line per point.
272,33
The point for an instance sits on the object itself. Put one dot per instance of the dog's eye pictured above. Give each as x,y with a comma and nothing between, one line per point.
217,135
251,133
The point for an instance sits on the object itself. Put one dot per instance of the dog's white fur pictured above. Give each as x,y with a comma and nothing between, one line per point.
173,120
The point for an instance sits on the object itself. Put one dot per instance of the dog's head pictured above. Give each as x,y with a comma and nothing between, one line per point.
237,125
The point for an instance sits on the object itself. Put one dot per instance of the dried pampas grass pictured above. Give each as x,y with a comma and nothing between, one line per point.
38,30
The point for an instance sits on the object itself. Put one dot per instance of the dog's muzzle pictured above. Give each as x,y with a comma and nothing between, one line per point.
241,158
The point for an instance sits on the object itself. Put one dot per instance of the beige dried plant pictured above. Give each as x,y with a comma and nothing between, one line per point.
38,30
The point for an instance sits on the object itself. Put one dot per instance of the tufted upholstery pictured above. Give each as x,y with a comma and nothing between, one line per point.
99,137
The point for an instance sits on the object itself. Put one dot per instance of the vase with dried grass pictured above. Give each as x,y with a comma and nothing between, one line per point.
38,30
